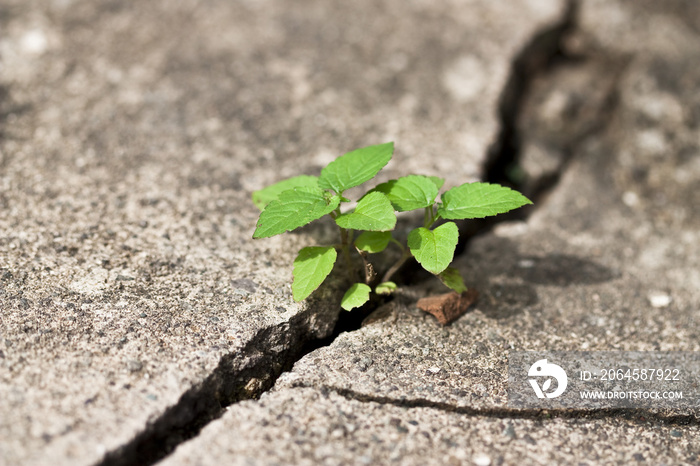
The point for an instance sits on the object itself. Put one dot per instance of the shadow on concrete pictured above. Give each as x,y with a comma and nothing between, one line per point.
507,281
562,270
503,300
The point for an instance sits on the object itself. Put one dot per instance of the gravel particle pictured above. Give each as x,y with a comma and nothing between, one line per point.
134,365
659,299
34,42
509,431
364,363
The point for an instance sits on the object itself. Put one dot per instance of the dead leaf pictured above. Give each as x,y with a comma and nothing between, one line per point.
449,306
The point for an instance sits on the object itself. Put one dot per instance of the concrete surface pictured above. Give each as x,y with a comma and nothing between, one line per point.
607,261
308,427
131,137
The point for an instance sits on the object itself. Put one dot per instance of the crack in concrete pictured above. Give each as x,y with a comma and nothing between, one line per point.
639,415
239,376
539,55
535,58
252,371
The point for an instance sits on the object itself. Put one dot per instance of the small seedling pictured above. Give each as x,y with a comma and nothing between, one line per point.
367,228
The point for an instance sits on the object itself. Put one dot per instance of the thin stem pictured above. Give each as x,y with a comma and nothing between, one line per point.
346,237
370,274
430,217
394,268
398,243
346,248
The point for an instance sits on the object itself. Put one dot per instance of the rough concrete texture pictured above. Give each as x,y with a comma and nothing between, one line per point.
132,134
607,261
307,427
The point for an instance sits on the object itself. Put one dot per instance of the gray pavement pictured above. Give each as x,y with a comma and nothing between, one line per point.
134,300
132,137
608,261
310,426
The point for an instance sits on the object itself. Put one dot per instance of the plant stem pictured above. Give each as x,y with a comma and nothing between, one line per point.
370,274
346,239
394,268
398,243
430,217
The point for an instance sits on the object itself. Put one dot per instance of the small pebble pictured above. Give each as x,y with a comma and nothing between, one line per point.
659,299
34,42
134,365
630,199
364,363
509,431
481,460
526,263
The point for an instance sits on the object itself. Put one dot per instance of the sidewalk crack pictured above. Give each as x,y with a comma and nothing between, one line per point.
636,416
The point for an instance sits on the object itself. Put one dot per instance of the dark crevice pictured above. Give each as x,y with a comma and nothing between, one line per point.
636,415
255,368
544,51
239,376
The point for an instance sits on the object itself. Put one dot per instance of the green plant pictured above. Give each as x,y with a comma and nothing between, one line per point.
297,201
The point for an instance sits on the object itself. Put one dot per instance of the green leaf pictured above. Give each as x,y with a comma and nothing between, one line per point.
356,296
264,196
478,200
293,209
373,241
434,249
453,279
311,267
373,213
385,288
356,167
437,180
409,192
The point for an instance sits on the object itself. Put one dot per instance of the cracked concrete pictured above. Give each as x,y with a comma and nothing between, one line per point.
131,136
310,426
607,261
134,305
